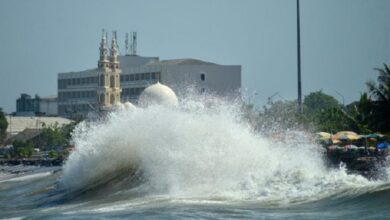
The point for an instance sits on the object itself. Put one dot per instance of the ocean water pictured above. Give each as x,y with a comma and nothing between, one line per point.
199,160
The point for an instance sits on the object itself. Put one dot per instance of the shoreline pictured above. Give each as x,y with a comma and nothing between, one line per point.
33,162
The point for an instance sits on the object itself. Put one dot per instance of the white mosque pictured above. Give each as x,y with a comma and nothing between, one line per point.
120,80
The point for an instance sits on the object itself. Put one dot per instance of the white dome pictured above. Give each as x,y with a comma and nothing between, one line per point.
129,106
158,94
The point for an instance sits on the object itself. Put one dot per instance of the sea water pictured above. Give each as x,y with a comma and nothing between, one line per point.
199,160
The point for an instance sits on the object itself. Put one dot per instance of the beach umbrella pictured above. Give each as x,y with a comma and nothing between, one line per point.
345,136
375,136
323,136
335,141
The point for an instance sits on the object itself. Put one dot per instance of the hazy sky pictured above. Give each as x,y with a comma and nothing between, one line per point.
342,41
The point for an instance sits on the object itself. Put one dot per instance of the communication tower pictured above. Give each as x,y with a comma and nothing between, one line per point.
133,45
127,45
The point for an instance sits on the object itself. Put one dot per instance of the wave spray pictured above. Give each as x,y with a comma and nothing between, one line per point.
201,150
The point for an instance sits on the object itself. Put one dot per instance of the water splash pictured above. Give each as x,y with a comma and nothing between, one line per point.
201,149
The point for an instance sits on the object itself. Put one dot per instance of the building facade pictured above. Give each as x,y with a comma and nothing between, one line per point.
49,106
28,106
123,78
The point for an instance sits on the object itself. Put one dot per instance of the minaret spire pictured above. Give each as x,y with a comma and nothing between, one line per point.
103,49
114,49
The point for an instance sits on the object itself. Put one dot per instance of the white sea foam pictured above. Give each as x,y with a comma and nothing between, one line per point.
202,150
25,177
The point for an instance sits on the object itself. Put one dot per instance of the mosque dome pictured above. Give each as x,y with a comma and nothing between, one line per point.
158,94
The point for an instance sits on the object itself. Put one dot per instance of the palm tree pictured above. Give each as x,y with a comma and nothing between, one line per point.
380,94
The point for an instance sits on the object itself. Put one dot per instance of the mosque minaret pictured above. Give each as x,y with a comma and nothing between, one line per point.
108,92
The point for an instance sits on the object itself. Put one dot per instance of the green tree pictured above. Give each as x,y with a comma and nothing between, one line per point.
330,120
23,149
53,154
319,101
57,136
323,112
3,125
360,115
279,115
52,136
380,93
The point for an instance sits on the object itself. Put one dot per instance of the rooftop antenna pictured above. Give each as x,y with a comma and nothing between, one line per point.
133,45
127,44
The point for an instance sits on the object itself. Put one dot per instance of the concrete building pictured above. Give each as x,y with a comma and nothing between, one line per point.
28,106
123,78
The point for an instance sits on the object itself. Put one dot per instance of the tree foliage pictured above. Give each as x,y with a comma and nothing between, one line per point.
381,91
319,101
3,126
323,112
380,94
22,149
52,137
279,115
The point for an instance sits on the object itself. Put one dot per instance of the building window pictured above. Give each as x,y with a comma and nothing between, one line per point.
102,98
203,76
101,80
112,99
112,81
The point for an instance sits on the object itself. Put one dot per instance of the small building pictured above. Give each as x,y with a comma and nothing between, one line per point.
27,134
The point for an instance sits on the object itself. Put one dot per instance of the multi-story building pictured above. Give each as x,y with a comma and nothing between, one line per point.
123,78
28,106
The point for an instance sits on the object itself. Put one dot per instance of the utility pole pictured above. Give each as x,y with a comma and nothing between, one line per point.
300,109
